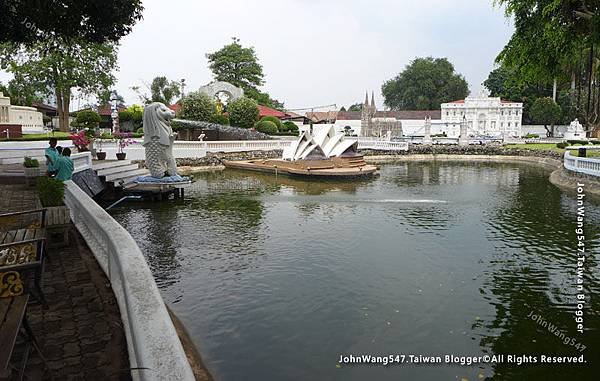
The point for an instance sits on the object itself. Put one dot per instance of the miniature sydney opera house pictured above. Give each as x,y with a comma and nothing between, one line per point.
326,154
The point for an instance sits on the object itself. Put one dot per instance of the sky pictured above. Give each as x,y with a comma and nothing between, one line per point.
313,52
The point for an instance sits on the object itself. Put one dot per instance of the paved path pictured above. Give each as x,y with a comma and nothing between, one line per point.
81,332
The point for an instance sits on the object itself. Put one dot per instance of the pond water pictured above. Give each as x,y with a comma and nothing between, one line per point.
275,278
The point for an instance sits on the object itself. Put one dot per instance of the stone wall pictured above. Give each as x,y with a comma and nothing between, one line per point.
216,158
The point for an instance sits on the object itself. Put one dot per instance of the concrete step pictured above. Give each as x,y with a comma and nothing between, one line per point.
129,180
103,164
126,174
121,168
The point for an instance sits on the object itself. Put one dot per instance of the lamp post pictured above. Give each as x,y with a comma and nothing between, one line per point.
114,111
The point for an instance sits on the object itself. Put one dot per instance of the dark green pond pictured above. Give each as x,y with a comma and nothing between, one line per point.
275,278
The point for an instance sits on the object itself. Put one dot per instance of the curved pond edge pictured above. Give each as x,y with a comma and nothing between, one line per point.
561,177
155,350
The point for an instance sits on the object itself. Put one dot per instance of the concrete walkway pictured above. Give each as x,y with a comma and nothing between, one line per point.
80,333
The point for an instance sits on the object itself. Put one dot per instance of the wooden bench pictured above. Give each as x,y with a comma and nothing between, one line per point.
22,252
13,321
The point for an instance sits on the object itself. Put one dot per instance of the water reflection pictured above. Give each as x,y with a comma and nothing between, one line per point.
532,272
276,276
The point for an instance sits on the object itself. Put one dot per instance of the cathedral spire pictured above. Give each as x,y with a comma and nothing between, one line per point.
366,98
373,100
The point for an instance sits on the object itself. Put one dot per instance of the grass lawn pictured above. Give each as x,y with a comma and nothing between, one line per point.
552,147
536,146
32,137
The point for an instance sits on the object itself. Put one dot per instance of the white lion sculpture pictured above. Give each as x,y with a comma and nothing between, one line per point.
158,140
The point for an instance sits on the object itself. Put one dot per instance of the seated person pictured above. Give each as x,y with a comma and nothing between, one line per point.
64,165
51,156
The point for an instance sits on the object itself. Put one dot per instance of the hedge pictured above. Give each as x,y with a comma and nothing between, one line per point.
266,126
275,120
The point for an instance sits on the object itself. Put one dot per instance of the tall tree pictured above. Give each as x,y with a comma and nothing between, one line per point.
424,84
21,92
557,41
237,65
104,97
58,68
164,90
507,84
545,111
26,21
161,90
356,107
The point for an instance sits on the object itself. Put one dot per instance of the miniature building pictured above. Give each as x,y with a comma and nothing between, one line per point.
373,124
28,118
484,116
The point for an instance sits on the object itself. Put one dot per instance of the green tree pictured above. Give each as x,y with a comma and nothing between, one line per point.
545,111
88,119
137,113
555,42
507,84
198,106
355,107
424,84
161,90
263,98
104,98
26,21
237,65
57,67
21,92
164,90
243,112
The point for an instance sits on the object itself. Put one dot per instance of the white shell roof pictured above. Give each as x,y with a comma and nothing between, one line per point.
327,141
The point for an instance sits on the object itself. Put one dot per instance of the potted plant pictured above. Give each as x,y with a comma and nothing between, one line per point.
32,168
81,141
101,155
123,139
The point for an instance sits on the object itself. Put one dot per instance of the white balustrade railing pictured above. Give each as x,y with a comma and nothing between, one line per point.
383,145
512,140
585,165
155,350
81,161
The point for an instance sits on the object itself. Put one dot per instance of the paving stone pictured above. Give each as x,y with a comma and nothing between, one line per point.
77,333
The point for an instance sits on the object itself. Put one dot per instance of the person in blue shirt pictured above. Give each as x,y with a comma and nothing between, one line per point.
52,156
64,165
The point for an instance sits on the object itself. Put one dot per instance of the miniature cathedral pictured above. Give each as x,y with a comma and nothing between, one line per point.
379,124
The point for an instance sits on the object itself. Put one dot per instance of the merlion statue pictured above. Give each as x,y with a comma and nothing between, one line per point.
158,140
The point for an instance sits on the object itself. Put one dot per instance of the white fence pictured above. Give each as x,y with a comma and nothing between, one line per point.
81,161
586,165
511,140
151,337
382,145
13,152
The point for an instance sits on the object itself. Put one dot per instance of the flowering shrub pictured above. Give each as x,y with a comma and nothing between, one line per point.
123,139
80,140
